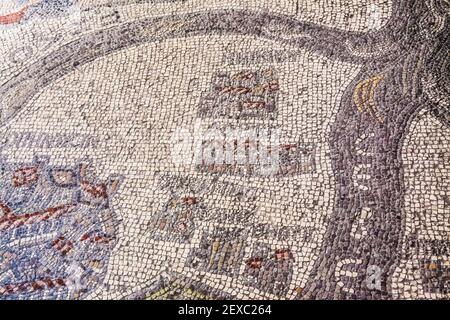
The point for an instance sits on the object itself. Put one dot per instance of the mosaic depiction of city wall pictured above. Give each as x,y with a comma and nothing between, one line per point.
120,122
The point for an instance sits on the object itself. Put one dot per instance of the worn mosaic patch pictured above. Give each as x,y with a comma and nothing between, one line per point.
187,149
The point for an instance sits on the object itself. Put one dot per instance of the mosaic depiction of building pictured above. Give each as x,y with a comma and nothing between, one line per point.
357,91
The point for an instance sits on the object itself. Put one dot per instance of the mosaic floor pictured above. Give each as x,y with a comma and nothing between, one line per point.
224,149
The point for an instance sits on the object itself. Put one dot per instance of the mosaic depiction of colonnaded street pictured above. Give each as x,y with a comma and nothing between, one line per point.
224,149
